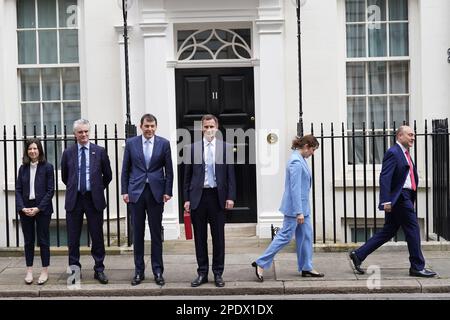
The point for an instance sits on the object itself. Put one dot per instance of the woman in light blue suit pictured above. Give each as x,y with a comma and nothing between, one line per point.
296,209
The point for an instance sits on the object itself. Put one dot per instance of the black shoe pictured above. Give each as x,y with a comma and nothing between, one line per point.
312,274
218,281
101,277
137,279
159,280
356,262
259,276
201,279
425,273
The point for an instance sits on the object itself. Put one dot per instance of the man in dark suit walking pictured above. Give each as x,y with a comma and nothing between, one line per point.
209,189
86,172
147,180
398,192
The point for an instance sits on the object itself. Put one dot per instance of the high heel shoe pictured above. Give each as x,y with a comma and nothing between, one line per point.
29,278
259,276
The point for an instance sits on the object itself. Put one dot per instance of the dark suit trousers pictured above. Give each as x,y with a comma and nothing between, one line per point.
41,224
209,211
147,204
402,215
74,221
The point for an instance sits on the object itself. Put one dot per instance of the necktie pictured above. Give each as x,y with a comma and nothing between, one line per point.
411,171
83,171
147,153
210,166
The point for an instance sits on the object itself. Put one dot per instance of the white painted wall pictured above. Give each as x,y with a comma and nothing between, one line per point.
9,107
99,61
435,70
151,47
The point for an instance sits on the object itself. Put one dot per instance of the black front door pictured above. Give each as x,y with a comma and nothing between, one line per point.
229,95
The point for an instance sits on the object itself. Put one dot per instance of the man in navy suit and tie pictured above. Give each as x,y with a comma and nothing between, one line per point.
398,192
86,172
147,180
209,189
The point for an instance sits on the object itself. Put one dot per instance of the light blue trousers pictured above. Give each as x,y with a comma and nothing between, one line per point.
303,239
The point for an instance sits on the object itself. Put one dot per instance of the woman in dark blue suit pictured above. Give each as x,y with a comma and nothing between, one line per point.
35,188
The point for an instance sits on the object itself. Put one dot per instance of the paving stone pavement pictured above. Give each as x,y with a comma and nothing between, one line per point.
387,272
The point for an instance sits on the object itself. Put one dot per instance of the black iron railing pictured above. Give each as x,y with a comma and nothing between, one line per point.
344,196
346,200
54,144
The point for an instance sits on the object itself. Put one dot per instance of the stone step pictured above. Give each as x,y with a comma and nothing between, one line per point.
232,230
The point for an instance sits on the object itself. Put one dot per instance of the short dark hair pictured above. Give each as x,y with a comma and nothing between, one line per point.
26,159
149,117
300,142
210,117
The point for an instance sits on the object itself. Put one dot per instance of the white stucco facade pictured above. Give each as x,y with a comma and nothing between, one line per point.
153,61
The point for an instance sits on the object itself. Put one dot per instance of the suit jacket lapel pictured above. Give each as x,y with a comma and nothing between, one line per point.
218,156
75,161
402,155
306,167
140,151
198,153
406,164
156,147
92,158
27,178
37,176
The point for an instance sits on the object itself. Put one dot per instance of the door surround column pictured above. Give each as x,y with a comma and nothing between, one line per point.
159,99
270,115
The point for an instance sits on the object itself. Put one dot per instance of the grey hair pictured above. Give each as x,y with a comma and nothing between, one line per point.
400,130
80,122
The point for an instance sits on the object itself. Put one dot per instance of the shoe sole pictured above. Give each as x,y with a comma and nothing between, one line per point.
258,276
198,285
101,282
415,275
355,267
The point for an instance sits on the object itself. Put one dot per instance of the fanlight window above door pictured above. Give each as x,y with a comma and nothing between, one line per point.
214,44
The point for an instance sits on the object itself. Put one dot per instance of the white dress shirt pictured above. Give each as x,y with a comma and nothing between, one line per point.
86,152
407,184
33,168
148,156
205,156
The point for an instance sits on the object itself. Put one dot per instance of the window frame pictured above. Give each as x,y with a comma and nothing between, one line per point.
36,29
388,59
59,67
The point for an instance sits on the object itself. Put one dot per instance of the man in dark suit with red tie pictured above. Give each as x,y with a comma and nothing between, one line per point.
147,180
209,189
398,192
86,172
